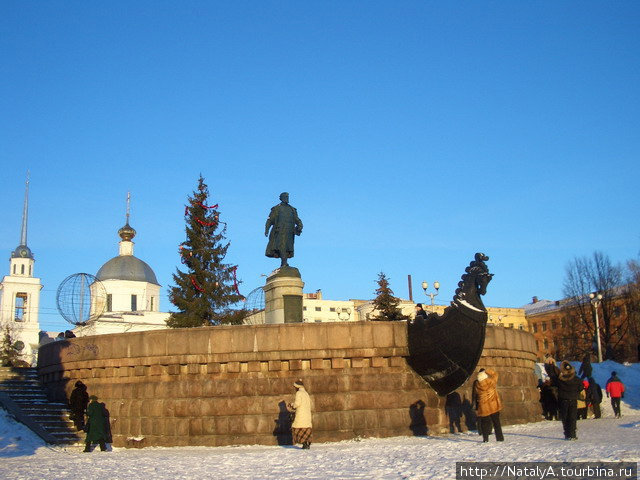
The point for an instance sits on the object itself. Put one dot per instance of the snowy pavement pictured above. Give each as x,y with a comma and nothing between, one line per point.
607,439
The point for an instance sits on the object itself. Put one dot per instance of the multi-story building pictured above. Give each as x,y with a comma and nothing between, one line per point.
566,328
316,309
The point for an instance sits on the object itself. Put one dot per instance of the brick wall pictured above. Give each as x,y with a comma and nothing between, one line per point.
226,385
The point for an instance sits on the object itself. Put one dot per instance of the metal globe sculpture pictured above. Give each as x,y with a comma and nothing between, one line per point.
81,298
255,307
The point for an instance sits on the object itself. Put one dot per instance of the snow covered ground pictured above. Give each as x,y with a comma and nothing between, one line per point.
25,456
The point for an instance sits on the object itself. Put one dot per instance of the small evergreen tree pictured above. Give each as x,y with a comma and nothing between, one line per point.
385,303
9,354
204,292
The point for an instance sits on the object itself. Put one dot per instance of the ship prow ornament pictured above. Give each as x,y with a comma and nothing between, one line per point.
445,349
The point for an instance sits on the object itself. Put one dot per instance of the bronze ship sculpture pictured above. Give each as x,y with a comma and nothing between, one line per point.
445,349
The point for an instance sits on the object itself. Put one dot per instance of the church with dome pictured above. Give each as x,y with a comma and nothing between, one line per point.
130,301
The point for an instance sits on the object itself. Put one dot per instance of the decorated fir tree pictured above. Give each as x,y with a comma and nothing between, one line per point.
385,304
206,290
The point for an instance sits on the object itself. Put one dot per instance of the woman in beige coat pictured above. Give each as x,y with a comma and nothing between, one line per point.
301,428
488,403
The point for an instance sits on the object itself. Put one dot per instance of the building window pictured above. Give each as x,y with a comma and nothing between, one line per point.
546,344
563,322
21,269
109,302
318,309
520,327
134,303
332,309
304,309
554,324
511,325
616,311
535,328
29,270
14,268
21,306
544,326
151,304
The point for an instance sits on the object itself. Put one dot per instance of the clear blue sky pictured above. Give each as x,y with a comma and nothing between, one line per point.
409,134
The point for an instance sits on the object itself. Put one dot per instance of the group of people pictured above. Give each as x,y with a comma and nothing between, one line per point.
97,417
567,394
589,396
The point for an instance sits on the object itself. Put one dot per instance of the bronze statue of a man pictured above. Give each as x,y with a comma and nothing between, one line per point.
286,223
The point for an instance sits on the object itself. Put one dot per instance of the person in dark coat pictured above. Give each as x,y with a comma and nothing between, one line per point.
453,408
97,431
421,315
549,401
78,402
586,369
569,387
615,389
594,397
549,364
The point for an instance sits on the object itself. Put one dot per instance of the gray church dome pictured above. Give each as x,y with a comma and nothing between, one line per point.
22,251
127,267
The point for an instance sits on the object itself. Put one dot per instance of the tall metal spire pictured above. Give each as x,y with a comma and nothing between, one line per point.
23,251
25,213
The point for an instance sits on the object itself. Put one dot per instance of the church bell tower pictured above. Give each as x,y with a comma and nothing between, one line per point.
20,295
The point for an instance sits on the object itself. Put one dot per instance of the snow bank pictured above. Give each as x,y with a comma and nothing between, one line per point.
15,438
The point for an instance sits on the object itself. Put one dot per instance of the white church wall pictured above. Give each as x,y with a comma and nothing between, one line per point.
121,291
22,322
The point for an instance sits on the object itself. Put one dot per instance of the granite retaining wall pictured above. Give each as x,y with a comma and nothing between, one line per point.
228,385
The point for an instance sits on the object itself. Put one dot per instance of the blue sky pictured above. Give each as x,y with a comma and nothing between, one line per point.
409,134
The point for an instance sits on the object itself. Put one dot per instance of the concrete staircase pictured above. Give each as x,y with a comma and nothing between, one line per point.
25,399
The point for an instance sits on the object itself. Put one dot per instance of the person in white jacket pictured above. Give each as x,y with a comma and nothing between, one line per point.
301,428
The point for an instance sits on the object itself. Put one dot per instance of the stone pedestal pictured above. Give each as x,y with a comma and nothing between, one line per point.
283,296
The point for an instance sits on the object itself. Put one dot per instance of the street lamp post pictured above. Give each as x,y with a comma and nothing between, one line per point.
595,301
436,285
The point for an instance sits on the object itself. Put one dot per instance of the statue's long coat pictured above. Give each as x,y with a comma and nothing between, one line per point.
285,224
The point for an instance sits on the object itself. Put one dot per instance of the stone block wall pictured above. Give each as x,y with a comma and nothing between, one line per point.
228,385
